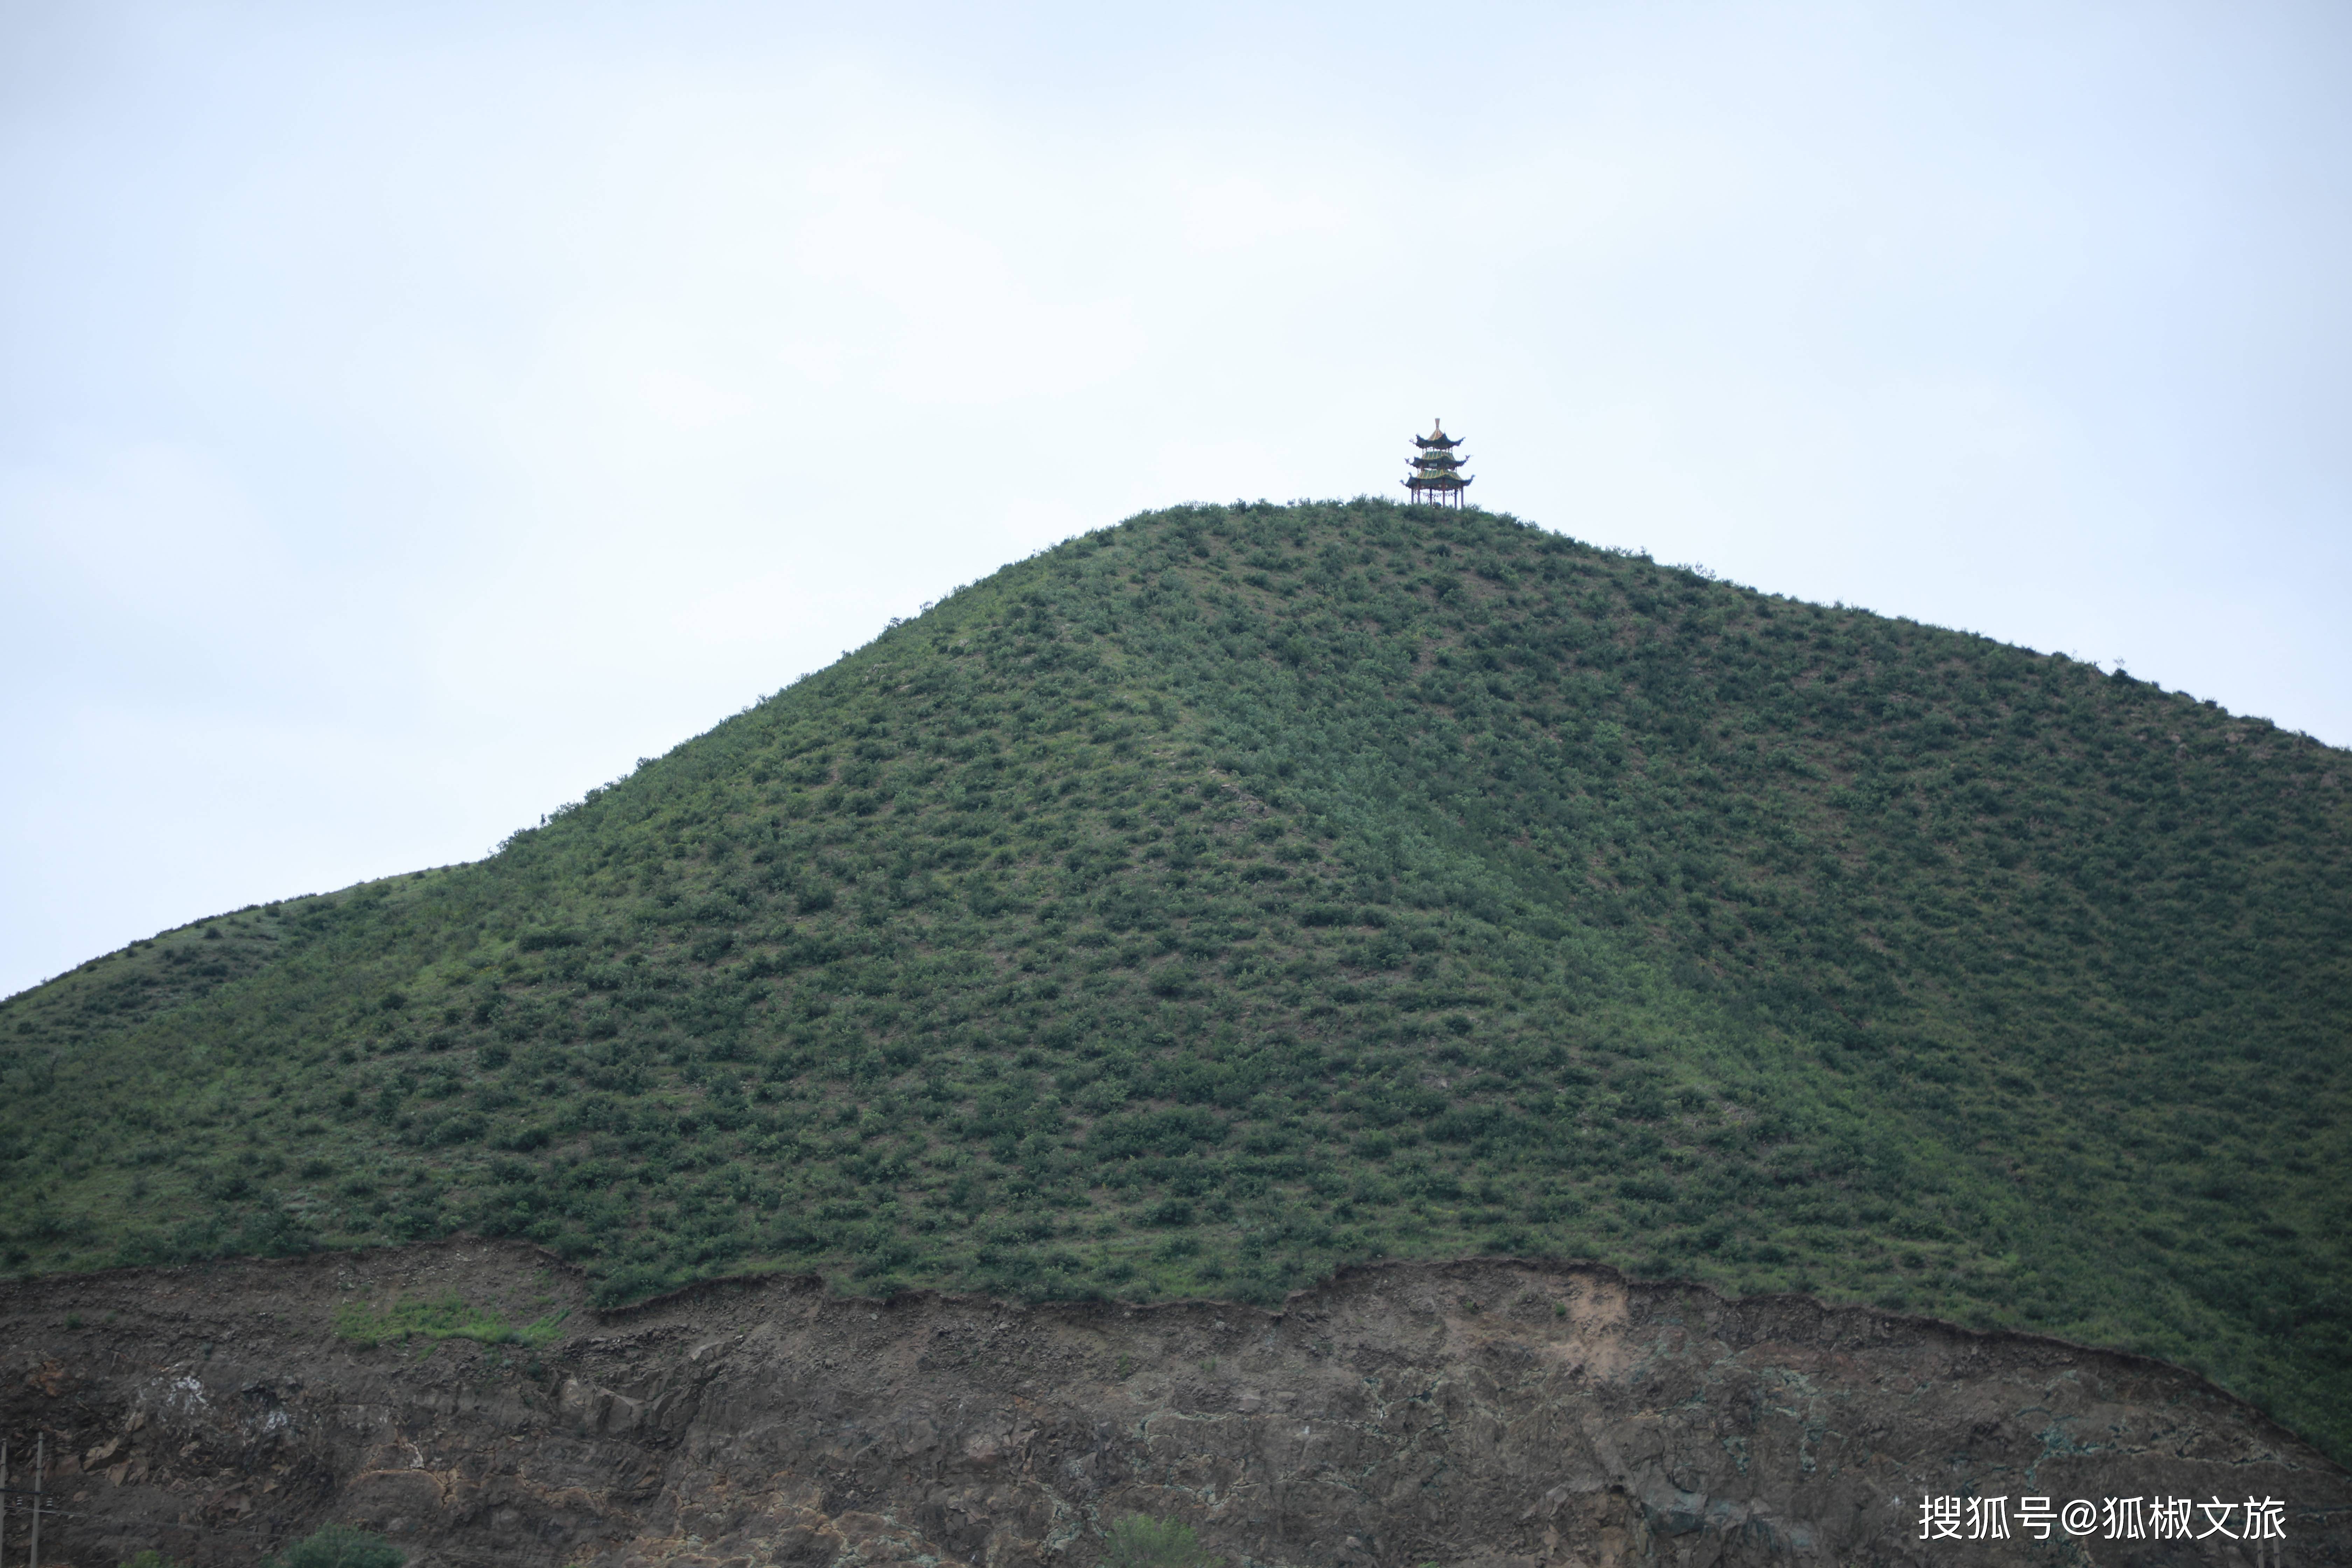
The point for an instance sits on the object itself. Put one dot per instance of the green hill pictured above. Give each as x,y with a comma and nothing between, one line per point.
1235,892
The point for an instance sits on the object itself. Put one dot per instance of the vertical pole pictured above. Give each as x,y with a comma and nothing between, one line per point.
40,1462
3,1505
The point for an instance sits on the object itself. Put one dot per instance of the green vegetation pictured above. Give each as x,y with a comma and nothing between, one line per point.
1240,891
150,1558
1140,1542
339,1546
446,1317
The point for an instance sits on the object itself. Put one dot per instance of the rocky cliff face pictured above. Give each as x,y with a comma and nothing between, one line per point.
1493,1412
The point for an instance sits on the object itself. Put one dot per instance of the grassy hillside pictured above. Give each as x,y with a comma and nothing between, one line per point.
1238,891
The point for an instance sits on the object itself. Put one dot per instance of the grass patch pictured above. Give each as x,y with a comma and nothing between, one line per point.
1141,1540
448,1317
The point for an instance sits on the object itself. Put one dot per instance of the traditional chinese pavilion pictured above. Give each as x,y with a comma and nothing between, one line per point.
1437,476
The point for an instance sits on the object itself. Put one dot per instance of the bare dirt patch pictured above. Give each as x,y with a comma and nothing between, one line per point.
1495,1413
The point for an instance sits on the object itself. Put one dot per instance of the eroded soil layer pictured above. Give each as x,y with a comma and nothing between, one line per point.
1494,1412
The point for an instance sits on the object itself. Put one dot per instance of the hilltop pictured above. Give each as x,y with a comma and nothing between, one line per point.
1239,892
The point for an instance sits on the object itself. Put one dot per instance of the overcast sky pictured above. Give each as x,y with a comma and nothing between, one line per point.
411,414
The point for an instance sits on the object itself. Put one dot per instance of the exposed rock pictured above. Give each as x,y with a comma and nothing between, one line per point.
1487,1414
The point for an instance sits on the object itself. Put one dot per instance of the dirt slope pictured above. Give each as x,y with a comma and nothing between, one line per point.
1492,1413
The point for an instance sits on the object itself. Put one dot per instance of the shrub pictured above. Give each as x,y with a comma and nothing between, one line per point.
542,941
339,1546
1140,1541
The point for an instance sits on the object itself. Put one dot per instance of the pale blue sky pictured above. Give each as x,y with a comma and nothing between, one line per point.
412,415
